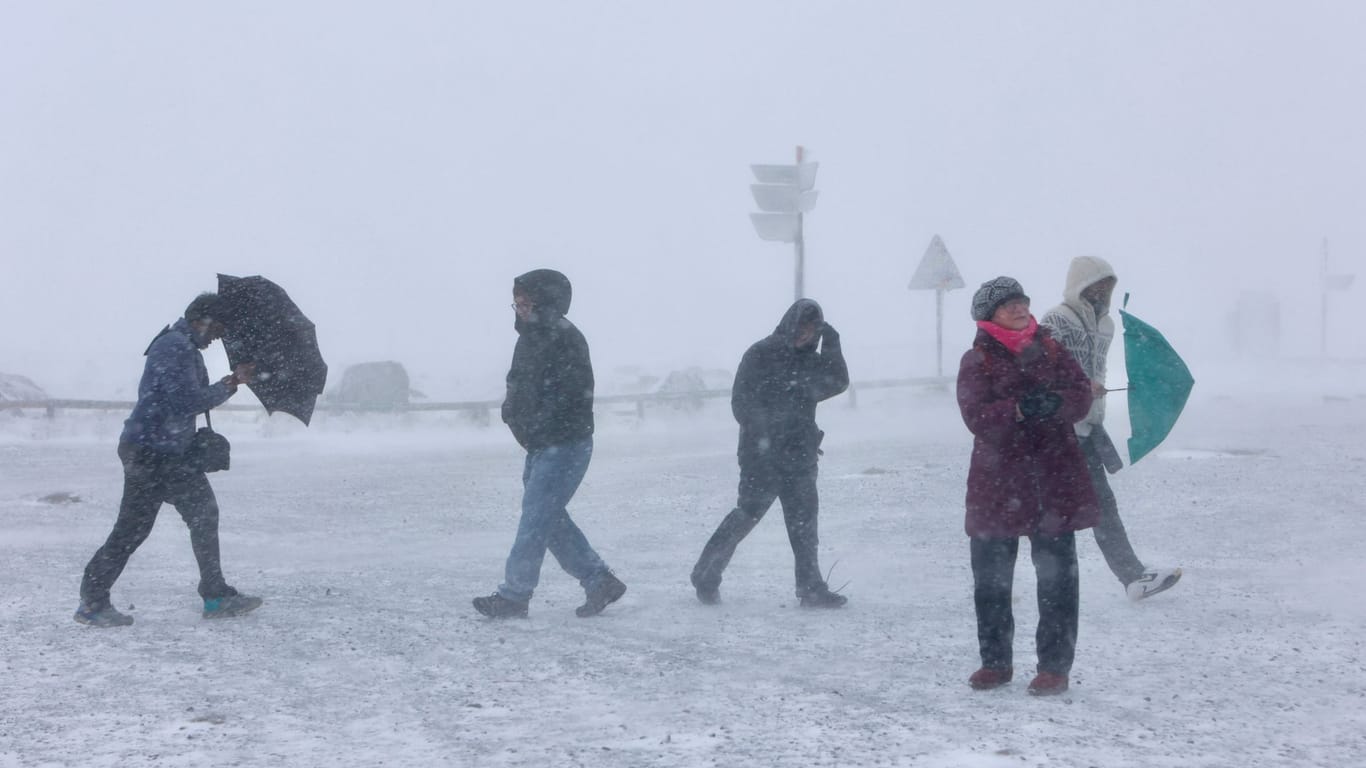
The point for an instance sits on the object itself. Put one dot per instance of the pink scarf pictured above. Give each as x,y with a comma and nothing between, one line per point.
1015,341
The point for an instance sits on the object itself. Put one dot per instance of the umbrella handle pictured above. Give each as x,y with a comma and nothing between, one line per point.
1117,389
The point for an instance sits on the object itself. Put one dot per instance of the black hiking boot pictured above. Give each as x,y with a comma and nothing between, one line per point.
822,597
706,595
609,589
105,617
495,606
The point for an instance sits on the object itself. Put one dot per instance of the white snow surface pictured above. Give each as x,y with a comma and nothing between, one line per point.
367,537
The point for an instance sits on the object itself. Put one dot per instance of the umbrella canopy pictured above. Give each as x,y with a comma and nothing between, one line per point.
263,326
1159,383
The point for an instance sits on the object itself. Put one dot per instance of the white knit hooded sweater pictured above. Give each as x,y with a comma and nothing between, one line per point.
1085,329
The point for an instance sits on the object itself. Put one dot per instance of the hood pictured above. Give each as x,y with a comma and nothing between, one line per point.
181,326
548,290
1084,272
802,310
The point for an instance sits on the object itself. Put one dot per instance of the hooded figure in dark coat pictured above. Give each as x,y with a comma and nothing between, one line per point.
780,380
549,408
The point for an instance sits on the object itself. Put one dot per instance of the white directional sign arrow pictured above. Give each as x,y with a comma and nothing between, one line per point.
780,227
781,198
801,176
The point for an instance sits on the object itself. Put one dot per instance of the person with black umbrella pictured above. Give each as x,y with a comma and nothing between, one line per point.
159,467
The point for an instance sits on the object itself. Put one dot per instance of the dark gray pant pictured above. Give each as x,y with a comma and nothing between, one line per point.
1111,537
759,487
993,576
150,479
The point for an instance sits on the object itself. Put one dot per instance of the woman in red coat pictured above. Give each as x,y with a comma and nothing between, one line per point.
1019,392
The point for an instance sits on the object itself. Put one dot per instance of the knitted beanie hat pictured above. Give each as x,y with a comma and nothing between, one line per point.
993,294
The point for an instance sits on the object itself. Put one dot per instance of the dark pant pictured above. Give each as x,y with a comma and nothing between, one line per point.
993,574
150,479
759,487
1110,534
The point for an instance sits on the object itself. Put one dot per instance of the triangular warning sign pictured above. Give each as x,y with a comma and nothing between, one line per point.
937,270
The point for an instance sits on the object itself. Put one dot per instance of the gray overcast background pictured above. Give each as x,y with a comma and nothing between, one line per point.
394,164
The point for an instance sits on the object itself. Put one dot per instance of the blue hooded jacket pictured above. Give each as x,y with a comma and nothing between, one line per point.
174,389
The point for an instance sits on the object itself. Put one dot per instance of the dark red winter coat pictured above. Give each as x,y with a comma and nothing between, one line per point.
1027,476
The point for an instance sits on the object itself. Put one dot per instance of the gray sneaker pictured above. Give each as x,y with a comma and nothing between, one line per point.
105,617
234,605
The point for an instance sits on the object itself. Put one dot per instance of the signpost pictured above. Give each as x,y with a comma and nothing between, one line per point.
937,272
784,193
1329,282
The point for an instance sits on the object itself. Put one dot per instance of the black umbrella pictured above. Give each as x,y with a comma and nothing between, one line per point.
262,325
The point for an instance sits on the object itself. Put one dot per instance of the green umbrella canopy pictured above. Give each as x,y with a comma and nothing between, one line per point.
1159,384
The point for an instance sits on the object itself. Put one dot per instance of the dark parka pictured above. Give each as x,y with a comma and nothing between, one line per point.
550,384
1028,476
777,387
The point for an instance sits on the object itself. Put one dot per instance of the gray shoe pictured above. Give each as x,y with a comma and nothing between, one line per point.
105,617
822,597
495,606
609,589
234,605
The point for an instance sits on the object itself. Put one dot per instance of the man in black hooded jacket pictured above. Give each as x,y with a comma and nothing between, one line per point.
780,380
549,408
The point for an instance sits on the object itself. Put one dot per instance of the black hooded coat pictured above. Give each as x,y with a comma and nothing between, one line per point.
777,387
550,384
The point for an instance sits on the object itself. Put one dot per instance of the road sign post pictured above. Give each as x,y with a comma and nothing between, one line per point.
937,272
785,193
1329,282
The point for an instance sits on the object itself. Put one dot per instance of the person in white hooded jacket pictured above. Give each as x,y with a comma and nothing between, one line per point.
1082,324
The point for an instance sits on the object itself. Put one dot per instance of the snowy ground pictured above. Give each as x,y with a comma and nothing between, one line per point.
368,540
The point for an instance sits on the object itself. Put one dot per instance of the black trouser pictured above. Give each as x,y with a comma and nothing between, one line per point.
759,487
149,479
993,573
1111,537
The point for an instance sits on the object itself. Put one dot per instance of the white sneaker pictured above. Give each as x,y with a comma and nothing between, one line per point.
1152,581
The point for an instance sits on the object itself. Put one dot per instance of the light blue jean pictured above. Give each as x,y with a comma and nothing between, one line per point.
549,480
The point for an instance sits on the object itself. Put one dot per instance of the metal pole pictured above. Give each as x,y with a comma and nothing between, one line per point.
1323,288
939,331
800,244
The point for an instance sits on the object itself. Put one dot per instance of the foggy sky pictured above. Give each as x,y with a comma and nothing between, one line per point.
394,165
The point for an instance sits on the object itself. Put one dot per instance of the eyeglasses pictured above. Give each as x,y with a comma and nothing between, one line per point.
522,307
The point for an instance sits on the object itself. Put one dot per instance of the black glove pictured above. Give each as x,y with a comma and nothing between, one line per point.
1040,404
830,337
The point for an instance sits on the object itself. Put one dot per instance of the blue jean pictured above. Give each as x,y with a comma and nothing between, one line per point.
549,480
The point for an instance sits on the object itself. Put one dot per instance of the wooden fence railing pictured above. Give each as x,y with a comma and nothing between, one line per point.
641,400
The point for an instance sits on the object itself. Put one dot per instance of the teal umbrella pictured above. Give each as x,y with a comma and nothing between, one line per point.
1159,383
